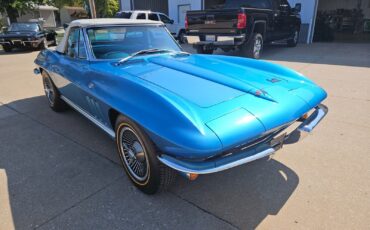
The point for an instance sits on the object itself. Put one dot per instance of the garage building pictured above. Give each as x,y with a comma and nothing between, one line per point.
322,20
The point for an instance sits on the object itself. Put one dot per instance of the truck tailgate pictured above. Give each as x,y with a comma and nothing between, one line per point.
213,21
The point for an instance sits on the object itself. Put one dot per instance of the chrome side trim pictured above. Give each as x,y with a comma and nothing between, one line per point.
109,131
172,163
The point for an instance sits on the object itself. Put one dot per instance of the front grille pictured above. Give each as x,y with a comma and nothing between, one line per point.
265,138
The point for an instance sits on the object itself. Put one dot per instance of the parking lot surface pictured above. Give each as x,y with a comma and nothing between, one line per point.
59,171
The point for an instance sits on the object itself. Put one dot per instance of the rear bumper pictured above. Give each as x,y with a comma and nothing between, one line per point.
251,154
220,40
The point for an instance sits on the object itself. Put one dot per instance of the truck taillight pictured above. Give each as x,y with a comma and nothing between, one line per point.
242,21
186,22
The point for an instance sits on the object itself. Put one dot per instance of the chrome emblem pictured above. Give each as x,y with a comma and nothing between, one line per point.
273,80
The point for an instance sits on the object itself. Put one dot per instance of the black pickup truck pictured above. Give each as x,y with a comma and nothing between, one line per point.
243,24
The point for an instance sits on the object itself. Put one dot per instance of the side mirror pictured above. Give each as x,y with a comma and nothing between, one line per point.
172,21
298,7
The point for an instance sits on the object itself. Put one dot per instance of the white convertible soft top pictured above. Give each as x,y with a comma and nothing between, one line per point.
101,22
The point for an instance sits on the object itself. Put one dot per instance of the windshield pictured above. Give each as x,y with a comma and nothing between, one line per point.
23,27
118,42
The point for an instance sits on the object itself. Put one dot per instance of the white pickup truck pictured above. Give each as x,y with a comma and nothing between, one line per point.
177,30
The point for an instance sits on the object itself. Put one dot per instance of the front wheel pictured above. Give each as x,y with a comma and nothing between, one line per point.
254,47
139,159
44,44
292,42
7,48
52,94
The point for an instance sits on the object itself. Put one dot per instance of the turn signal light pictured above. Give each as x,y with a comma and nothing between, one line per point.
242,21
192,176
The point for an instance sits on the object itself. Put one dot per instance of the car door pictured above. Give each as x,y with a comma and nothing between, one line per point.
72,69
280,16
285,17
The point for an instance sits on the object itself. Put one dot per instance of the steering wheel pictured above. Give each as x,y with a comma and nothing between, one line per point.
114,54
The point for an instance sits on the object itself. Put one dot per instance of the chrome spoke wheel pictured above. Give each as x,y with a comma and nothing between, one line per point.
257,47
133,154
49,90
295,38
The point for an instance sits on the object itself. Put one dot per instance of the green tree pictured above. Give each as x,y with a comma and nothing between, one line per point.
106,8
15,7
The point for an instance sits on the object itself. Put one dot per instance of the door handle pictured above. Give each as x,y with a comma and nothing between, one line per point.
91,85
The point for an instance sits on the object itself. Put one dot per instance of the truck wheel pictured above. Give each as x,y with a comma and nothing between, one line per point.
254,47
203,50
52,94
139,158
181,38
7,48
292,42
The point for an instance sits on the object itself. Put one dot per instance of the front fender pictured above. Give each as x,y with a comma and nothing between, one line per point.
171,122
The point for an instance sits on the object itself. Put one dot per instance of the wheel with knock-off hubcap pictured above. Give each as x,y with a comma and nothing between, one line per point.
138,156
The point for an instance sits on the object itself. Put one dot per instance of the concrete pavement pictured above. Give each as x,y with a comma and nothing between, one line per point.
58,171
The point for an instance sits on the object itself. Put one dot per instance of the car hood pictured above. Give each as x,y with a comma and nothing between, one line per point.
16,34
208,80
235,97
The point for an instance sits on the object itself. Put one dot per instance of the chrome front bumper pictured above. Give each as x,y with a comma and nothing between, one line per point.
258,152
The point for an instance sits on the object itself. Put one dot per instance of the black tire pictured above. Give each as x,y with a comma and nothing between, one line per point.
292,42
44,44
135,148
254,47
52,94
203,50
181,37
7,48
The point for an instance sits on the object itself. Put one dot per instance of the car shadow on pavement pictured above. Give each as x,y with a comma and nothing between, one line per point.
243,196
61,158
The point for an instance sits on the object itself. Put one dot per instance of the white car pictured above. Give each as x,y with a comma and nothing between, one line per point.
176,30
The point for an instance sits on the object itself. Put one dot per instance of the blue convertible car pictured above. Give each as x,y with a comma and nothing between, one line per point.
169,110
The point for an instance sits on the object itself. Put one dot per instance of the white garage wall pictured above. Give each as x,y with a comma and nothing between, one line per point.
125,4
308,15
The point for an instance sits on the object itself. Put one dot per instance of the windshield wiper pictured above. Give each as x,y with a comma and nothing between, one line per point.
141,52
148,51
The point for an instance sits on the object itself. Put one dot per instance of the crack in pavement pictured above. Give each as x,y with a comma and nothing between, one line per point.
77,203
204,210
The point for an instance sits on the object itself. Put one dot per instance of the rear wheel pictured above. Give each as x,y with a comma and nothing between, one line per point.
292,42
52,94
181,37
7,48
204,50
139,159
253,48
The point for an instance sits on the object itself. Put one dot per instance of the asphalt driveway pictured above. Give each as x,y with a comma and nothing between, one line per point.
58,171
